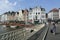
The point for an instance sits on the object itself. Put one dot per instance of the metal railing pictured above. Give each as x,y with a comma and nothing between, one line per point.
13,35
19,34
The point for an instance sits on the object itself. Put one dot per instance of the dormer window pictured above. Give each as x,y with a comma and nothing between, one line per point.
36,13
17,12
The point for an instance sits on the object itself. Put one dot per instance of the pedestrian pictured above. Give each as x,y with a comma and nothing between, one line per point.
54,28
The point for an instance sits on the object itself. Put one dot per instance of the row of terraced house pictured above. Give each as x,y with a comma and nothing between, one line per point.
31,15
54,14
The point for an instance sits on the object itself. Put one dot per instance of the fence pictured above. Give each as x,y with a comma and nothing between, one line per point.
13,35
19,34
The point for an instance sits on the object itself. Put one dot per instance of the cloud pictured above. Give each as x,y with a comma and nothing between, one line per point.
5,5
15,3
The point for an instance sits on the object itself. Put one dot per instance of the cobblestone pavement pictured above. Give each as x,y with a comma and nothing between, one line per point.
50,36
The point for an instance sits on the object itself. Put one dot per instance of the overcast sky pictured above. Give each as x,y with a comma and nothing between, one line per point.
15,5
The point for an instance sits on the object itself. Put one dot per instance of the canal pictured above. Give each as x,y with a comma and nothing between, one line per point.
7,29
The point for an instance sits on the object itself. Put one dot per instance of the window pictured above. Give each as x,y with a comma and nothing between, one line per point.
30,13
36,17
39,13
17,12
11,13
42,16
36,13
30,16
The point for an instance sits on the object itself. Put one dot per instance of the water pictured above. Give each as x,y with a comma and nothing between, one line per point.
7,29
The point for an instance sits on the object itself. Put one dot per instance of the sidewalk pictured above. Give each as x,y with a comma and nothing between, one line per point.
50,36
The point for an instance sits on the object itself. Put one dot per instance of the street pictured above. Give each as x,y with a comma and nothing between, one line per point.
50,36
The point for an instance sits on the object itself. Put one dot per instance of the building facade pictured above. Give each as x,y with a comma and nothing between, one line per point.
54,14
8,16
25,14
11,16
3,17
37,15
0,17
19,16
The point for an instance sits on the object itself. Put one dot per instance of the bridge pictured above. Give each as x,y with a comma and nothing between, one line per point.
20,34
38,32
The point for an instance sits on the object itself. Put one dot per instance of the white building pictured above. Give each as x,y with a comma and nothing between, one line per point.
19,16
8,16
25,14
4,18
0,17
37,14
54,14
12,16
59,13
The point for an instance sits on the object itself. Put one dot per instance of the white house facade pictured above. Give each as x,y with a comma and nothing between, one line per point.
50,15
19,16
36,14
4,18
0,18
54,14
8,16
59,13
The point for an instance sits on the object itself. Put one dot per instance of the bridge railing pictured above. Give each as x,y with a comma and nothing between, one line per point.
13,35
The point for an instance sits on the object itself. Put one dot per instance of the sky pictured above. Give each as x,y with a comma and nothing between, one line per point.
16,5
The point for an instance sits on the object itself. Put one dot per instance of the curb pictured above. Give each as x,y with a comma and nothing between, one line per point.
45,33
37,30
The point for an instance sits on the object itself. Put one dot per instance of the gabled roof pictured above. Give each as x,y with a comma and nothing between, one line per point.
54,10
30,8
24,10
42,9
10,13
